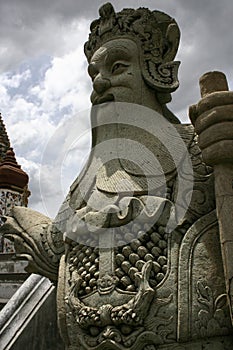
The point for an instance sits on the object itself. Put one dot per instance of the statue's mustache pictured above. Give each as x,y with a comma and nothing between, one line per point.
102,99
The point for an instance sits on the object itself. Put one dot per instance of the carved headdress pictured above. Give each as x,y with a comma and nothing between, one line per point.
156,34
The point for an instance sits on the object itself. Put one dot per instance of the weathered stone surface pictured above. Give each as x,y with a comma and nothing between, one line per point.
28,321
212,82
12,275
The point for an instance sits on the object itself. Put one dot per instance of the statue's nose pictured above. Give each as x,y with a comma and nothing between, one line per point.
100,85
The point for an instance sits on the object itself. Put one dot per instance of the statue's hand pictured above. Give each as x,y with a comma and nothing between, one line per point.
212,118
28,230
213,121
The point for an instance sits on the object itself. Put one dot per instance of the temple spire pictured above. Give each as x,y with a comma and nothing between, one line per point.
11,174
4,140
13,184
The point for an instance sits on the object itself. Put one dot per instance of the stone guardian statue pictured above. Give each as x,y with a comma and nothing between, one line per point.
140,258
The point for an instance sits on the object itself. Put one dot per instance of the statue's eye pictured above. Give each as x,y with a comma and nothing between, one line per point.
118,67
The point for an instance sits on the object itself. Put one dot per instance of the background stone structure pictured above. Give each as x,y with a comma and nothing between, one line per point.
13,192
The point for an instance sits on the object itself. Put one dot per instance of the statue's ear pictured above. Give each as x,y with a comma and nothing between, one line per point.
172,40
163,76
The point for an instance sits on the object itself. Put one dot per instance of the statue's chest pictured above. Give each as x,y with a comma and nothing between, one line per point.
140,284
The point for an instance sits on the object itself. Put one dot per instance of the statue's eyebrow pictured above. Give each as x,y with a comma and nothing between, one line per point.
117,53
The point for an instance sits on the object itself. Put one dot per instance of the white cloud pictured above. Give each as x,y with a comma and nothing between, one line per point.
65,84
32,113
15,80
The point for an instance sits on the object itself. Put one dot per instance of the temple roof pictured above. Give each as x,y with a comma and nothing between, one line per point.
11,174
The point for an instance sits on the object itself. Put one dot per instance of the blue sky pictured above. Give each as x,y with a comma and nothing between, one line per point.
44,84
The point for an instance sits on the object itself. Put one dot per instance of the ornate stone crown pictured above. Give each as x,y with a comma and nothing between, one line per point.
156,34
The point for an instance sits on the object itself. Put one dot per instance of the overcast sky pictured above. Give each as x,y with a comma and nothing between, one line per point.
44,84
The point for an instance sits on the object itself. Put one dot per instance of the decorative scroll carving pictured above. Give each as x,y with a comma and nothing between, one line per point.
164,75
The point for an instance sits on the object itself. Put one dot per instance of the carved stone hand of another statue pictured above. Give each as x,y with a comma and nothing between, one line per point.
212,117
34,240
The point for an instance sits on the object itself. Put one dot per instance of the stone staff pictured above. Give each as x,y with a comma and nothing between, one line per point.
212,117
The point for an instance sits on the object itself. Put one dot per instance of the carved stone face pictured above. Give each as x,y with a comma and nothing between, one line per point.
117,76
